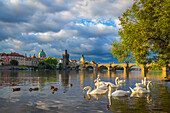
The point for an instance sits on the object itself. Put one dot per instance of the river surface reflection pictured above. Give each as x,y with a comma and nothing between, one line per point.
72,99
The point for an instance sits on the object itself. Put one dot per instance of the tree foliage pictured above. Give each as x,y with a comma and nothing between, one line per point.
144,33
14,62
155,67
48,63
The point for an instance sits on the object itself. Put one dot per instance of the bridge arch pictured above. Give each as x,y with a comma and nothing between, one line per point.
77,67
89,68
102,67
117,67
137,67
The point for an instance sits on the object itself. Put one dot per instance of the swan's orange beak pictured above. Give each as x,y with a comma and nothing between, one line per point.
107,87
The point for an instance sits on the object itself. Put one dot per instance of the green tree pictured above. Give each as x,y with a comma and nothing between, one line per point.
48,63
51,60
14,62
144,33
155,67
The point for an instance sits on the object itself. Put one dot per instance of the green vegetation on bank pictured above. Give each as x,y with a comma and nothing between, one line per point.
48,63
30,67
144,33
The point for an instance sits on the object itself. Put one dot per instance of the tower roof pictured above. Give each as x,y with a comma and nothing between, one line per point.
41,53
82,55
33,56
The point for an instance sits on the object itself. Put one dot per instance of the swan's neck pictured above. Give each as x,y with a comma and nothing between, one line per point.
144,81
131,89
148,85
98,76
116,81
97,83
88,92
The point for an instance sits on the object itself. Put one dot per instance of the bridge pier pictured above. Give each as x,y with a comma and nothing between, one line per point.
109,68
165,71
144,70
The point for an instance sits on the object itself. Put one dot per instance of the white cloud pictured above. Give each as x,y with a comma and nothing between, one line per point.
117,22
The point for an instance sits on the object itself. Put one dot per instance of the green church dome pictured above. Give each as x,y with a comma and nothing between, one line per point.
41,53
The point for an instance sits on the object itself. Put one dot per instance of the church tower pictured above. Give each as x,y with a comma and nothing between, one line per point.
82,59
65,59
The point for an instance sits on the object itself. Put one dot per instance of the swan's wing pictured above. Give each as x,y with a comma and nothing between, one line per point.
120,93
139,85
104,87
140,89
98,91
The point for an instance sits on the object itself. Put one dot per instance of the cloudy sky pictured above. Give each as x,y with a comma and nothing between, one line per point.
80,26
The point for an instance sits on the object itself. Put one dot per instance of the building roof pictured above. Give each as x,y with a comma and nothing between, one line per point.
11,54
73,60
93,62
33,56
82,56
59,59
41,53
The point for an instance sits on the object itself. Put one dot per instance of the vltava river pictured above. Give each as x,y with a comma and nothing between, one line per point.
72,99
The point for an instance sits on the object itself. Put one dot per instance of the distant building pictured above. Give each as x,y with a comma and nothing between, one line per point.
22,60
92,62
65,59
35,60
60,60
72,62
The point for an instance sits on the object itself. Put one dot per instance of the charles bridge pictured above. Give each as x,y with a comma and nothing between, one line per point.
111,67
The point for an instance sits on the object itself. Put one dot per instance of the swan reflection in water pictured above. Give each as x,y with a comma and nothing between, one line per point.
115,99
110,103
94,96
148,96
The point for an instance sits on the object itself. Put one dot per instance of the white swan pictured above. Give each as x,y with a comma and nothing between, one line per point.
95,91
98,77
143,84
103,84
141,89
117,92
121,81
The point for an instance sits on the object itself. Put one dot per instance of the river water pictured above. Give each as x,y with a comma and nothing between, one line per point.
72,99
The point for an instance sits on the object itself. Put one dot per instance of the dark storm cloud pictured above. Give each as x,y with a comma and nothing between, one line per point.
56,6
15,13
27,26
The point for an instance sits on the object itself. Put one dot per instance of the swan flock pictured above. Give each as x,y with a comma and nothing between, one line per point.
101,87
